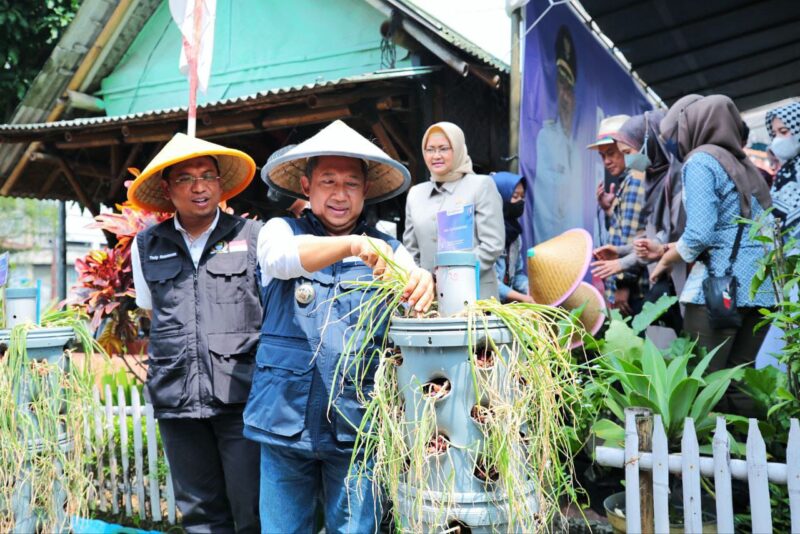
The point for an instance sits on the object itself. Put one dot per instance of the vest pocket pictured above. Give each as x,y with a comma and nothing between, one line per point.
353,274
161,279
231,365
349,413
281,385
228,276
167,371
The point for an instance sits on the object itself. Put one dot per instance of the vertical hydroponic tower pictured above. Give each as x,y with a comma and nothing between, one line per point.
453,374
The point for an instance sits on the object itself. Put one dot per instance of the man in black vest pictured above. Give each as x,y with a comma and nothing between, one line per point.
197,273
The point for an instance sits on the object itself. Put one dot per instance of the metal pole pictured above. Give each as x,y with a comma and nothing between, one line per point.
514,93
60,259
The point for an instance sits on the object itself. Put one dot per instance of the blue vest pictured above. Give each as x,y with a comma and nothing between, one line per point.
300,347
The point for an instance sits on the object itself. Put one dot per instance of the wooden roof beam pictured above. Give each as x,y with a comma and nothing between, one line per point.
385,141
119,179
286,119
66,170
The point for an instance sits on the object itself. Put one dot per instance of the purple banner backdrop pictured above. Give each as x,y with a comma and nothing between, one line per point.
570,82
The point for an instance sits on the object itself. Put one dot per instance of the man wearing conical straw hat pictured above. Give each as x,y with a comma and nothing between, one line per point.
197,273
306,403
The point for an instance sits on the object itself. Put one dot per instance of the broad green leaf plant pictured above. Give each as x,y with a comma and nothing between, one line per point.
638,374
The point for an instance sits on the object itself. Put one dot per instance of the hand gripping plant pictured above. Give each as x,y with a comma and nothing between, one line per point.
468,422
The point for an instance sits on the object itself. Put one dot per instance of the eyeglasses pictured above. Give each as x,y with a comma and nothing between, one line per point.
438,150
187,179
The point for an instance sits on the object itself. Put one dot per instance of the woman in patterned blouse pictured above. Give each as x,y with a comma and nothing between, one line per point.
783,126
720,184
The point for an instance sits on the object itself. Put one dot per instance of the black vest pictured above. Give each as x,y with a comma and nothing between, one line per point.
205,321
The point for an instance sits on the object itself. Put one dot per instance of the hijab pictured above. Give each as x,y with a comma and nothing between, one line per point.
713,125
662,177
506,182
787,201
462,164
790,116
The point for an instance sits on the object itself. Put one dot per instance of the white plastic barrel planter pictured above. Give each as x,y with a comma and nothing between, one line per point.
457,487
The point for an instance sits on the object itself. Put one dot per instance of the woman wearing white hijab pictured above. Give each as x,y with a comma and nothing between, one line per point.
454,185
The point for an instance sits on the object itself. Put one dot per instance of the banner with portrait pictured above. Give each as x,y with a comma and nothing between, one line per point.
570,83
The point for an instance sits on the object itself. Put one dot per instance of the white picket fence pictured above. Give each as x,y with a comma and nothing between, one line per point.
129,488
756,470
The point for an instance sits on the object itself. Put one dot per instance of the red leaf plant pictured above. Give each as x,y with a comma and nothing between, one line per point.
105,279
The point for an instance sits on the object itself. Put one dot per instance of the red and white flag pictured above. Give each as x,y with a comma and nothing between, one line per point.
195,19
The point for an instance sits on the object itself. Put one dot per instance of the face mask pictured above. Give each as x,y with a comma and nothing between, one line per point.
514,210
637,162
785,148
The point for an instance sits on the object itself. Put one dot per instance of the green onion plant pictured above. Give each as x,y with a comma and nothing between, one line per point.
44,406
525,408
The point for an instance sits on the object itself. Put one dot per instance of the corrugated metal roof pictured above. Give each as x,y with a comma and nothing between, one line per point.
383,75
89,21
445,32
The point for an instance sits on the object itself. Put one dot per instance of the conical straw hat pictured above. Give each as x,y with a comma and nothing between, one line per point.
593,312
387,177
236,170
557,266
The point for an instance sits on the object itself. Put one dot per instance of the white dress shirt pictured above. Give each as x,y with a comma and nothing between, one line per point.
143,297
279,258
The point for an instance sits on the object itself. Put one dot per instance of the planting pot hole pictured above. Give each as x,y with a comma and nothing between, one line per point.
457,527
437,388
481,414
484,357
438,445
486,472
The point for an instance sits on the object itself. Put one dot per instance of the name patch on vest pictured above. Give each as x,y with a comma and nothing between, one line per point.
157,257
224,247
239,245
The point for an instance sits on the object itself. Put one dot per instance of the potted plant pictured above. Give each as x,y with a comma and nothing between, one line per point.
467,423
45,403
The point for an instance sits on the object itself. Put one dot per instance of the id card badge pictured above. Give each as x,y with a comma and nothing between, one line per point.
456,228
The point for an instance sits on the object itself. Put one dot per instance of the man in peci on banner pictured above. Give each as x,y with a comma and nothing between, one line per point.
308,268
557,186
196,272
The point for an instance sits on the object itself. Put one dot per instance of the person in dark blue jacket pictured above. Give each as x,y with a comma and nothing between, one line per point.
308,266
512,273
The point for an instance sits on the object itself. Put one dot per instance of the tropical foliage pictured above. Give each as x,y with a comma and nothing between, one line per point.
105,279
637,374
781,265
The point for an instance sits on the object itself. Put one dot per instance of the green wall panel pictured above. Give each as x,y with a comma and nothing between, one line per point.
259,45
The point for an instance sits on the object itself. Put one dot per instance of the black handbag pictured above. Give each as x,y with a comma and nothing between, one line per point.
720,292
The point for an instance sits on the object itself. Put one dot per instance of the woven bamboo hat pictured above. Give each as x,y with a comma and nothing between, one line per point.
236,170
387,177
557,266
593,313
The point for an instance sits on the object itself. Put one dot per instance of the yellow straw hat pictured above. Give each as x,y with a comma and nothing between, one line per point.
557,266
236,170
387,177
593,313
